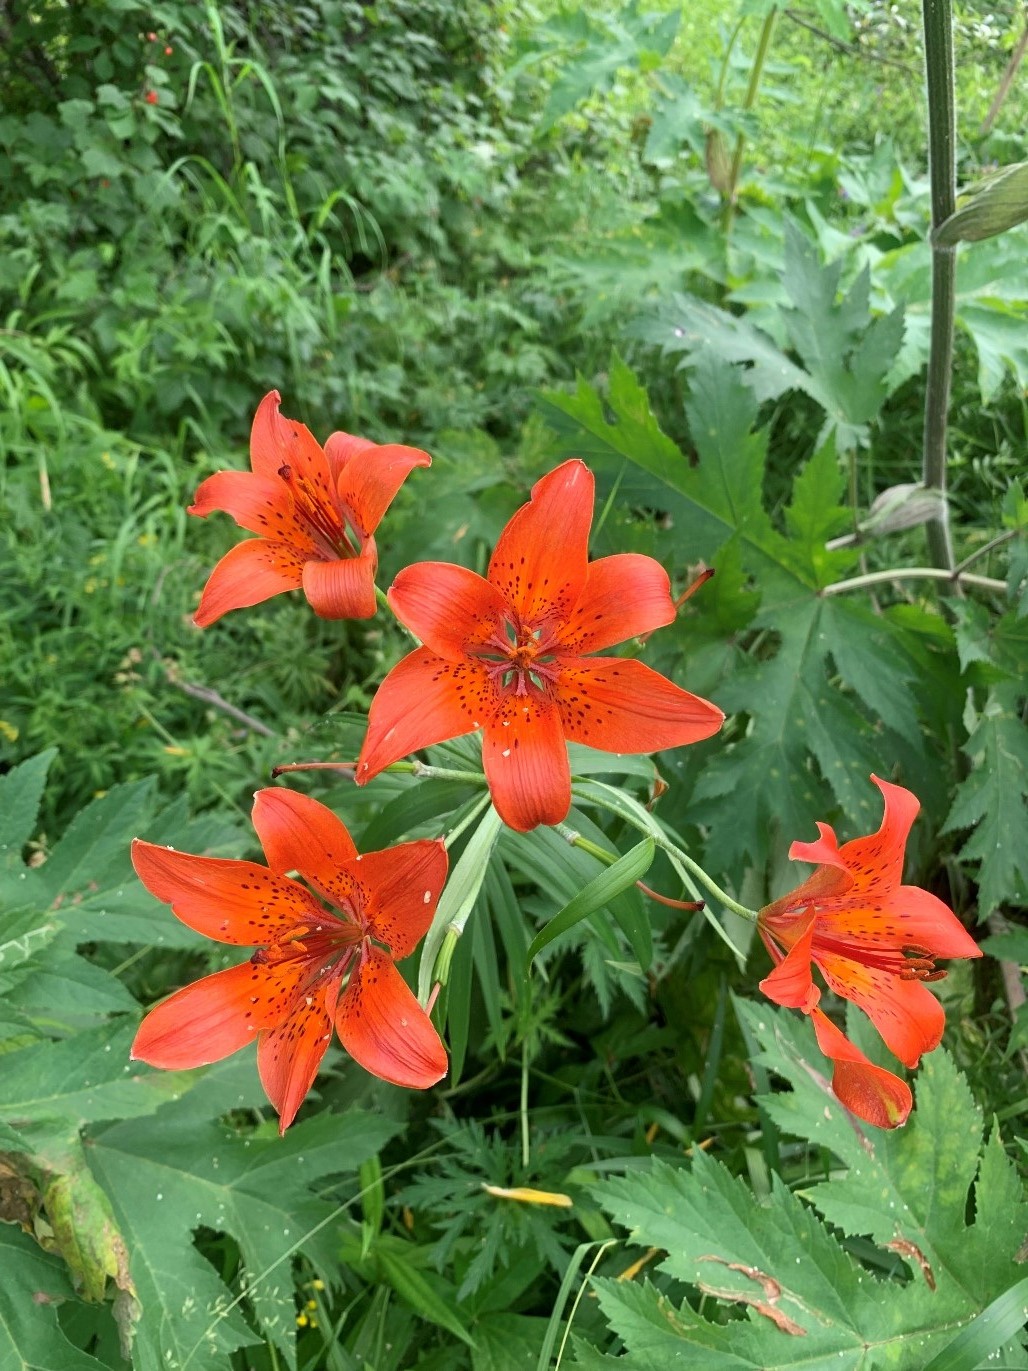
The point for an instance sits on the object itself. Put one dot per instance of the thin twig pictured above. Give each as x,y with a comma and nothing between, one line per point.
211,697
1005,83
850,49
914,573
986,548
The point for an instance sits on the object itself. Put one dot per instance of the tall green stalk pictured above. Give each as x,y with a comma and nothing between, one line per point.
752,91
938,44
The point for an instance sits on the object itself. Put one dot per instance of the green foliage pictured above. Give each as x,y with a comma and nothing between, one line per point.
845,356
410,217
993,798
808,1299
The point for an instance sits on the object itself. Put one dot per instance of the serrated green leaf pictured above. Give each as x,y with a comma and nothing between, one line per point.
167,1176
847,355
23,934
991,289
83,1078
992,802
21,790
66,991
619,876
906,1189
33,1286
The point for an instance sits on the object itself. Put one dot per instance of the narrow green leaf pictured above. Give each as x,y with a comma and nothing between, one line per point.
1002,1320
571,1272
412,1286
600,891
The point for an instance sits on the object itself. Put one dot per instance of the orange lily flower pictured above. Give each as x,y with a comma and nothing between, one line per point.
290,992
507,654
875,942
315,510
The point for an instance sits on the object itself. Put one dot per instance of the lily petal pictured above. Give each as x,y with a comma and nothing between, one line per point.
277,442
927,922
403,884
618,704
262,504
204,1022
790,984
540,560
423,700
868,1091
288,1057
906,1013
824,884
384,1029
249,573
345,588
625,595
876,862
341,449
367,484
823,852
526,764
230,901
448,607
298,833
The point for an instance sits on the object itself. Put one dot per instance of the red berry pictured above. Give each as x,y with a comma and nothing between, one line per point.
151,97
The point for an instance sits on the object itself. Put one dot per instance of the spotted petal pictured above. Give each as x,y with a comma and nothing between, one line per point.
299,833
624,596
423,700
618,704
248,574
230,901
872,1093
277,442
216,1016
261,504
384,1029
288,1057
906,1013
539,564
526,764
790,984
403,886
367,483
448,607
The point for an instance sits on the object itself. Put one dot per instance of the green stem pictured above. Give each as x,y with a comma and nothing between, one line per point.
752,91
435,773
916,573
383,599
985,549
938,45
526,1155
668,846
719,94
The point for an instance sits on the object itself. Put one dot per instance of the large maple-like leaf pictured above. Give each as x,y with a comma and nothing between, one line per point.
808,1301
828,676
171,1175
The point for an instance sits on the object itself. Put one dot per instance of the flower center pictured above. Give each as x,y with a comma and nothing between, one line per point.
332,527
319,948
518,656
